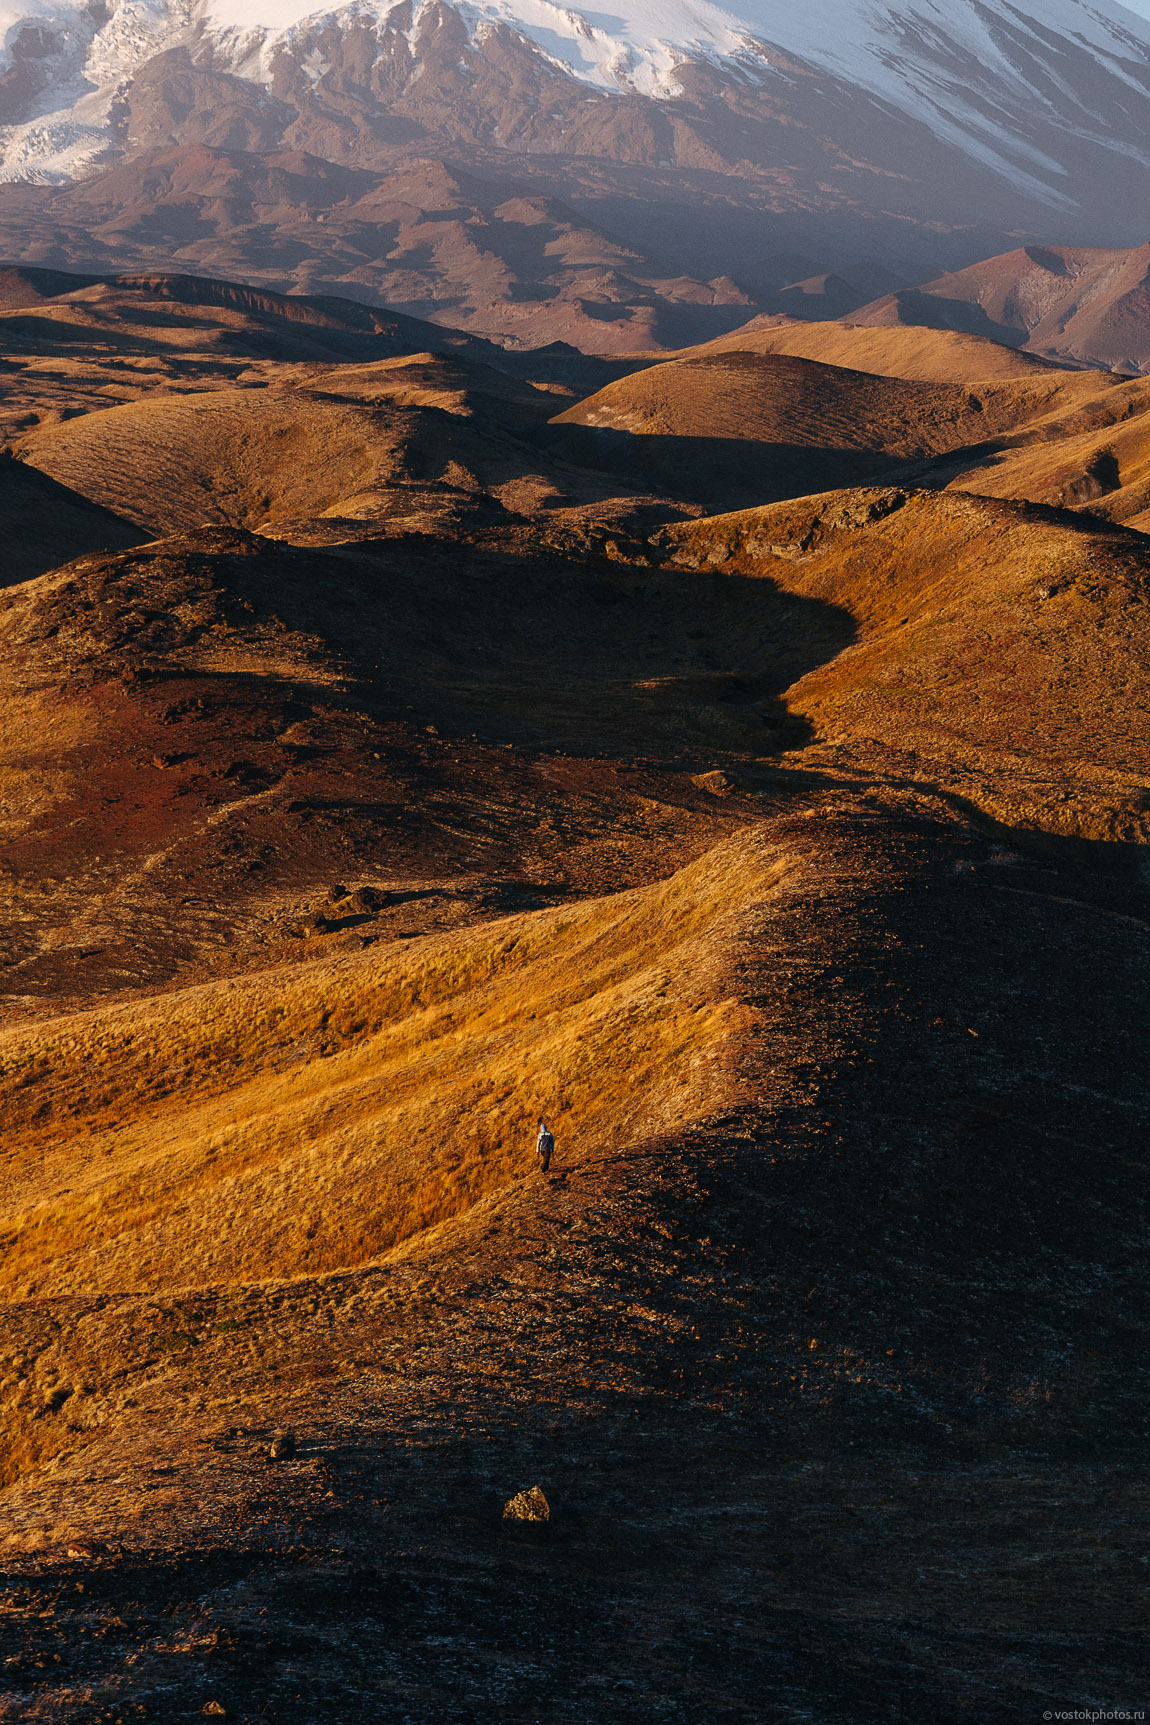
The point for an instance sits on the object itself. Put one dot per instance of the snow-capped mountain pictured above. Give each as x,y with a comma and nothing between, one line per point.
1018,89
533,171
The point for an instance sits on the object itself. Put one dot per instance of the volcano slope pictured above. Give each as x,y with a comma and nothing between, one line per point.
1078,302
790,862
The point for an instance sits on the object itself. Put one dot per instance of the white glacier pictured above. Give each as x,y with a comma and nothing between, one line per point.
639,45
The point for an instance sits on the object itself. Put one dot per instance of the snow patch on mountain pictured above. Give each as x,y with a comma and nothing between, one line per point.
966,69
911,54
611,51
62,67
973,71
51,150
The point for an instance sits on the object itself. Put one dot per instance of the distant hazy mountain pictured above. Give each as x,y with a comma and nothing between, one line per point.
1066,302
794,147
427,240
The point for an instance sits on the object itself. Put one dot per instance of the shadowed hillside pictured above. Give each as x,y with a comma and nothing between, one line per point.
881,1292
45,524
75,344
353,447
165,312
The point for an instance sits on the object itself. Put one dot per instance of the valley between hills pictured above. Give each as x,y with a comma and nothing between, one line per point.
736,754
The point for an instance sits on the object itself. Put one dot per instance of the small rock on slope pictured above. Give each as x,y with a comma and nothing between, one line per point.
527,1506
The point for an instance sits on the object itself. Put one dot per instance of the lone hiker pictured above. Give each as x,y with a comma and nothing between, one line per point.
544,1145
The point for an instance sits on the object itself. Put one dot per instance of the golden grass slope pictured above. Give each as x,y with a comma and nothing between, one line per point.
298,444
225,457
777,398
311,1117
72,345
1003,648
919,355
253,457
738,427
1096,457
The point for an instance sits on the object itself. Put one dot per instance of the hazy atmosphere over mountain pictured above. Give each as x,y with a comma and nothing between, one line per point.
574,873
745,151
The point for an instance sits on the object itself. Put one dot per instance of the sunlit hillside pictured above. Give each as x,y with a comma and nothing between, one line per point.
310,1118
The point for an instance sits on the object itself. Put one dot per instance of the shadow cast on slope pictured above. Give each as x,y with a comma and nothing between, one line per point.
549,652
721,473
45,524
249,721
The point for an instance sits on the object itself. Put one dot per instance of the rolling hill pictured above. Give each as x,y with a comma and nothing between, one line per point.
732,425
72,345
1094,459
392,752
910,351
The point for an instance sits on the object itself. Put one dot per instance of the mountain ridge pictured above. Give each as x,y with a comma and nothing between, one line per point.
897,55
976,121
1066,303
